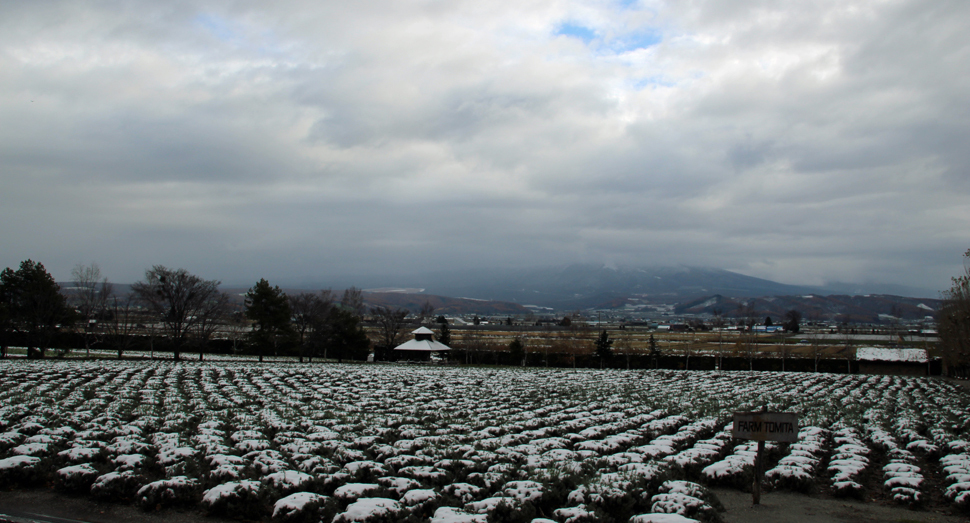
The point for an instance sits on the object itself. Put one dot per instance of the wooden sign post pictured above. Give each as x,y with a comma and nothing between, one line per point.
761,427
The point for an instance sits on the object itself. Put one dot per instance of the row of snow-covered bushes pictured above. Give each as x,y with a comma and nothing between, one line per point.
504,444
667,361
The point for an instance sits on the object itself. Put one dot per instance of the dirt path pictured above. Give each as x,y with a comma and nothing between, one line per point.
776,507
29,504
785,507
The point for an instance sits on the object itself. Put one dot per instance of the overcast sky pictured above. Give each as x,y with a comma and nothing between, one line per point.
804,142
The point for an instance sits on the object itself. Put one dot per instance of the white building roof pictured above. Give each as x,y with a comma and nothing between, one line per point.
423,345
424,341
882,354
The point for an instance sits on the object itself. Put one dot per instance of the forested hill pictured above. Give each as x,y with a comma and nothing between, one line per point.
871,308
442,304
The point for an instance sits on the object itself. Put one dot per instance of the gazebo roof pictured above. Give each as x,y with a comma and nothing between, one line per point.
423,345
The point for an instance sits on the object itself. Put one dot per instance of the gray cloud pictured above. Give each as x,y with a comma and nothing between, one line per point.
299,139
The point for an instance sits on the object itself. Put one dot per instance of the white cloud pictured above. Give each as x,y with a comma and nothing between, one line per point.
821,141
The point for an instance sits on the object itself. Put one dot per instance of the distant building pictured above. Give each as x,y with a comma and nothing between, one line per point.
767,328
899,362
422,347
674,327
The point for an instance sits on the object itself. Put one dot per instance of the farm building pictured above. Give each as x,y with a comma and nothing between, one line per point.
900,362
674,327
421,347
767,328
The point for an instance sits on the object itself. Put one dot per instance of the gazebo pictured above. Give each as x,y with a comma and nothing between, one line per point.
421,347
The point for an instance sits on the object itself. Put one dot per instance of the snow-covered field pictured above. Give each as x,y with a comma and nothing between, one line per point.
388,443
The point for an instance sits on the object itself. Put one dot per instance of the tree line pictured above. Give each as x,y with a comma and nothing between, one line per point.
185,310
188,311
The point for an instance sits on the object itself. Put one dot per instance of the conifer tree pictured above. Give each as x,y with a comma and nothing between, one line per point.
517,352
444,334
31,302
343,335
603,347
269,310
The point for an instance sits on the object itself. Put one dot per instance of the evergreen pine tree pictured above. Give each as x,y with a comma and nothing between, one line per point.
346,336
517,352
269,310
654,351
444,334
603,347
31,302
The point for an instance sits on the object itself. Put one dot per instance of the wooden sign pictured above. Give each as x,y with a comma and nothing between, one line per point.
761,427
766,426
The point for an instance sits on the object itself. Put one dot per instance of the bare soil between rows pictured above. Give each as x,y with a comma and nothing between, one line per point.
776,507
43,504
788,507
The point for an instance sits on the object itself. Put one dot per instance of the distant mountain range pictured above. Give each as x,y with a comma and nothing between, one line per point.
590,286
689,290
650,292
443,304
871,308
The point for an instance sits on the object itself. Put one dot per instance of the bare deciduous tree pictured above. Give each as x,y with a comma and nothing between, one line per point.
623,345
815,318
895,314
390,327
237,328
792,324
152,329
427,311
309,310
213,315
353,300
846,334
470,344
176,297
718,323
954,323
90,297
688,349
121,326
749,317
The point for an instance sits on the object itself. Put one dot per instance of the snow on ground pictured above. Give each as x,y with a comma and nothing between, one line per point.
885,354
297,504
370,509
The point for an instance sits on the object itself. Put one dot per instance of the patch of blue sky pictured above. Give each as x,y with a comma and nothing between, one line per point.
638,40
652,81
235,35
623,43
573,30
629,4
219,27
